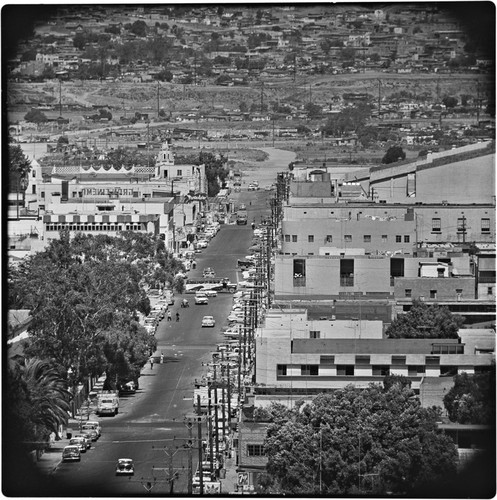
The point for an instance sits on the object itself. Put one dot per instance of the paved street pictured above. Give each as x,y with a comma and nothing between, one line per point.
150,425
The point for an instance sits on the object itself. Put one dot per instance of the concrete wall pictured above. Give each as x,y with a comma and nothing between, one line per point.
371,275
382,235
445,288
331,215
469,181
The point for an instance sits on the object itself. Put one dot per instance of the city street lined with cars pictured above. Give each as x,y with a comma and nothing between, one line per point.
152,418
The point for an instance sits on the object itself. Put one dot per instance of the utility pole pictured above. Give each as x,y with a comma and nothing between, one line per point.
189,426
477,103
158,98
209,411
199,430
60,97
262,97
379,97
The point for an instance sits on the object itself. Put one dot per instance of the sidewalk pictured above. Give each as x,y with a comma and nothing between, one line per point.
52,456
230,481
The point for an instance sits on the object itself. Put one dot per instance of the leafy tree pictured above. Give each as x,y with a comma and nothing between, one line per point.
333,444
348,120
313,110
472,398
82,290
139,28
35,116
393,154
19,168
425,321
165,76
348,54
450,101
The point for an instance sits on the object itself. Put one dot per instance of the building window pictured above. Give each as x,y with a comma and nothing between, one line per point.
329,238
490,290
384,238
362,360
299,272
436,225
294,238
287,238
367,238
448,371
347,238
408,293
281,370
485,225
432,360
314,334
459,293
34,174
255,450
43,195
398,238
33,189
327,360
433,294
179,173
310,238
346,272
415,370
407,238
398,360
309,370
381,370
345,370
447,349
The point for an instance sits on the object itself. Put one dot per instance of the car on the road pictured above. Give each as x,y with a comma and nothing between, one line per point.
202,243
80,442
208,273
208,321
201,299
90,430
125,466
96,425
209,293
86,436
71,453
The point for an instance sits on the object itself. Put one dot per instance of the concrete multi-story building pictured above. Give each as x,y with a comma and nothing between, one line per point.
299,357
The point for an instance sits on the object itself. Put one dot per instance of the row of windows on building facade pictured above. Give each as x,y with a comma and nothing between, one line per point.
96,227
367,238
436,227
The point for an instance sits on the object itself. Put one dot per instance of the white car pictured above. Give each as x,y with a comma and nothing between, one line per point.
236,317
202,243
210,293
125,466
208,321
201,299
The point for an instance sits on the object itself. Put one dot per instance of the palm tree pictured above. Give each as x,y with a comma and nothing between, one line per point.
48,396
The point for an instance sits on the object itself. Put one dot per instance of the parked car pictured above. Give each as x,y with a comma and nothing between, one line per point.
81,442
71,453
125,466
86,436
208,321
96,425
91,430
202,243
208,273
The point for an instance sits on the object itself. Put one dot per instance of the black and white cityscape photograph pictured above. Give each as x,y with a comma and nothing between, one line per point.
249,249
